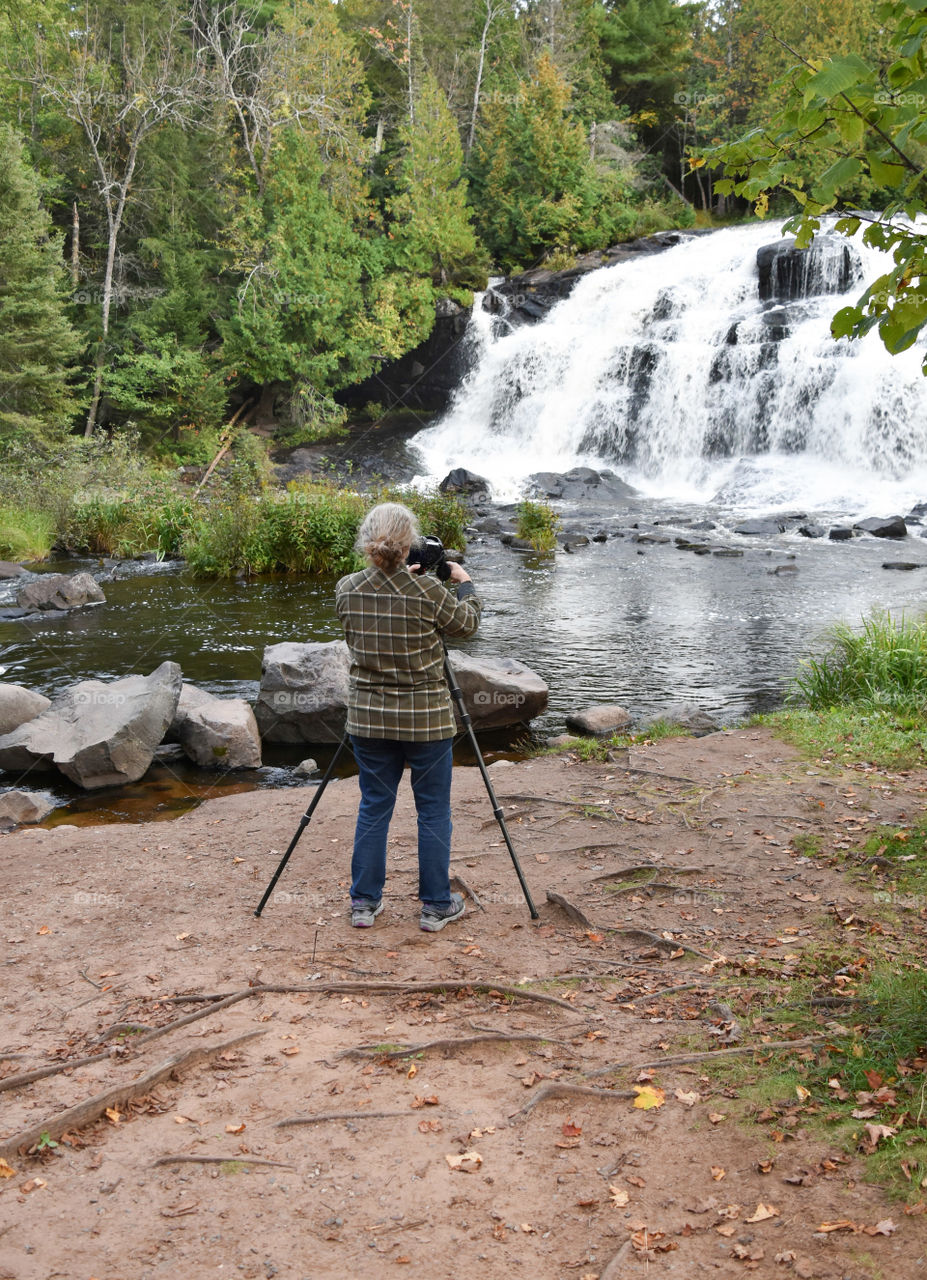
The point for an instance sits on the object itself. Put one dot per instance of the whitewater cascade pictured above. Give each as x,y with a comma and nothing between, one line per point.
674,371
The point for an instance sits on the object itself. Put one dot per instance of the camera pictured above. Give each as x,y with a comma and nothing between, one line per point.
429,553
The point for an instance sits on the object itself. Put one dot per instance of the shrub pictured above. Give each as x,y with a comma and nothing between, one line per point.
537,523
883,666
25,533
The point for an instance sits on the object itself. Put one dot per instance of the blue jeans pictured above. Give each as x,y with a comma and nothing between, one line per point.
380,762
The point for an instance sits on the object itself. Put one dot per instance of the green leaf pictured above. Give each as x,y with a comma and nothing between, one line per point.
836,76
838,175
844,322
884,173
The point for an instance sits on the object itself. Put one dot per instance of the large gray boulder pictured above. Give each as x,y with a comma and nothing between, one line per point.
498,691
883,527
216,733
10,569
98,734
18,705
599,721
687,715
304,692
25,806
60,591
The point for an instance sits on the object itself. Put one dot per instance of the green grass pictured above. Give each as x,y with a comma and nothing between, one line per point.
882,666
851,734
25,533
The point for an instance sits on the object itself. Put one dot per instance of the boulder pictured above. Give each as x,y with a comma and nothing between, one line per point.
598,721
465,482
304,692
886,527
9,569
688,716
18,705
829,265
498,691
840,533
307,768
216,733
60,591
98,734
811,530
581,482
764,528
26,806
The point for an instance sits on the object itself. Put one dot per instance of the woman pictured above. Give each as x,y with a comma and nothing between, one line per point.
400,709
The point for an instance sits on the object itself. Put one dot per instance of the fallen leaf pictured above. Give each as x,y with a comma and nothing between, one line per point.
571,1130
844,1224
6,1171
430,1101
430,1126
235,1128
883,1228
688,1099
113,1114
468,1162
34,1184
876,1132
290,1050
648,1097
412,1072
803,1093
635,1180
717,1172
618,1196
181,937
528,1229
762,1212
726,1229
716,1117
44,929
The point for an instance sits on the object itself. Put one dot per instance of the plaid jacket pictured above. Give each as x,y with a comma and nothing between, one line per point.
393,625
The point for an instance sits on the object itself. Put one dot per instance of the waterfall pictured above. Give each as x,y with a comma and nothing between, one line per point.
706,372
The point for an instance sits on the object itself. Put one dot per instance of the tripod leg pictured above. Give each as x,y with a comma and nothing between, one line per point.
496,807
303,824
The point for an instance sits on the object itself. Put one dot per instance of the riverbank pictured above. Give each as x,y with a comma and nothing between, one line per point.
106,928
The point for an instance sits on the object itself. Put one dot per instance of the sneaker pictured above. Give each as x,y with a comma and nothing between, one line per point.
435,918
363,914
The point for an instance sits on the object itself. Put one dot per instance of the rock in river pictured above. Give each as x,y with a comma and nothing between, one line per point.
216,733
59,591
98,734
17,705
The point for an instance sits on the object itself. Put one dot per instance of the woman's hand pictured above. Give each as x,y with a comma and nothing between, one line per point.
458,572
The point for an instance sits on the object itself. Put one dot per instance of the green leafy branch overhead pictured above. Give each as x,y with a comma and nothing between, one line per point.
868,122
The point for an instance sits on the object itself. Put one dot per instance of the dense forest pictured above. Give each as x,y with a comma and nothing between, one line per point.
211,210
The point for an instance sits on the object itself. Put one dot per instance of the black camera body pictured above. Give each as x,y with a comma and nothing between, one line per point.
429,553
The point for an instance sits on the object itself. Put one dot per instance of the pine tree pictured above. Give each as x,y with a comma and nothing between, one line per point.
433,235
37,343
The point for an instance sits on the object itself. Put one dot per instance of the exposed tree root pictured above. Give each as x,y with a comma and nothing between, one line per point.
458,882
376,988
84,1113
680,1058
325,1116
239,1159
561,1089
392,1050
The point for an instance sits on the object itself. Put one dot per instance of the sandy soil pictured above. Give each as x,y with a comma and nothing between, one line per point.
109,925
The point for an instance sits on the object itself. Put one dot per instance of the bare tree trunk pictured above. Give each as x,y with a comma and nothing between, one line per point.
75,247
411,84
484,40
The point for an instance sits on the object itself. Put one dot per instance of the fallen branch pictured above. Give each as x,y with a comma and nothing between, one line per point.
558,1089
678,1059
239,1159
655,940
626,873
325,1116
84,1113
453,1043
615,1270
122,1028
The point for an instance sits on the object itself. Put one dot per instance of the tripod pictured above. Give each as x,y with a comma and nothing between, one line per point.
457,695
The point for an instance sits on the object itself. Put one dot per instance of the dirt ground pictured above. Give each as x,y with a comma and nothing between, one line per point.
106,926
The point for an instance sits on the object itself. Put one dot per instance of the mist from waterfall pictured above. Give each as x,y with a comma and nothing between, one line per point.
672,372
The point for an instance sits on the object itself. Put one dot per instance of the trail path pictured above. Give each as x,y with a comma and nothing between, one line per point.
469,1157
